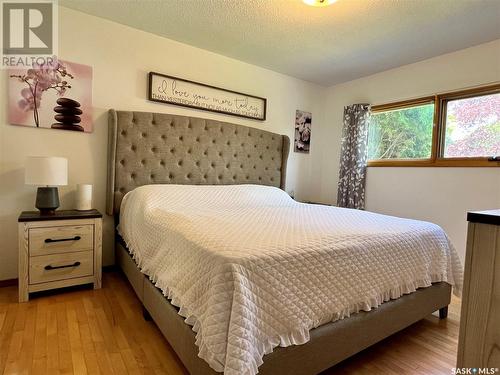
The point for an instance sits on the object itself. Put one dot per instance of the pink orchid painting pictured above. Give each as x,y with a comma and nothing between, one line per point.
35,95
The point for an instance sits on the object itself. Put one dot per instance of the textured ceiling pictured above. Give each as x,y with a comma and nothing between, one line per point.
338,43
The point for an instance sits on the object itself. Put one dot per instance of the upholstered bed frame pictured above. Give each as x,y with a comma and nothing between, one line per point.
146,148
153,148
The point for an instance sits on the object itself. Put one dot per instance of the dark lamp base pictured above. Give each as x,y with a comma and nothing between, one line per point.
47,200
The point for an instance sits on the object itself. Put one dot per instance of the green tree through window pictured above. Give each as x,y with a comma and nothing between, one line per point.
404,133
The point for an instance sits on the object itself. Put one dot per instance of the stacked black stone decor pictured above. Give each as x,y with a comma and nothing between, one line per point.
67,115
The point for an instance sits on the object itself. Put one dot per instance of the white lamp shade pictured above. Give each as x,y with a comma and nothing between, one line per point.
46,170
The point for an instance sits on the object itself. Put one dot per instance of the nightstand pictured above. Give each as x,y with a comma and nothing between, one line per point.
59,250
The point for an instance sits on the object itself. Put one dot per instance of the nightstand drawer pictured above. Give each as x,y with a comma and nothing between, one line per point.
62,239
46,268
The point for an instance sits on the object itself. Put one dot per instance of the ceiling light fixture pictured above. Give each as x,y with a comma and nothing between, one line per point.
319,3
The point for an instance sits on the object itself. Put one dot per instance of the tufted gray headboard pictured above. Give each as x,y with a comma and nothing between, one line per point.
156,148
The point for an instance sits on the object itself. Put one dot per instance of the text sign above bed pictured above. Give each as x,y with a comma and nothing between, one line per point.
177,91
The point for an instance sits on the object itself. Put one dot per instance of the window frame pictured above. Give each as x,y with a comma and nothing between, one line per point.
437,158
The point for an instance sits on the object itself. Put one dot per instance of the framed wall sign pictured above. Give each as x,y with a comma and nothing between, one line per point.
178,91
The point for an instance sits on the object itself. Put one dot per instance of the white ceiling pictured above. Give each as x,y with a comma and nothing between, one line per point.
344,41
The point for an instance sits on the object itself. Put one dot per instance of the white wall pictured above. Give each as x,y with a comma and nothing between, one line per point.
440,195
121,57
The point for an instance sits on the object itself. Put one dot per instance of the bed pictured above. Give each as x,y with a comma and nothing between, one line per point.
178,179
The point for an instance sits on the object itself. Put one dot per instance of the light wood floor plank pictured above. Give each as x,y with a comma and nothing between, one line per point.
65,357
130,362
86,331
75,341
6,334
52,340
91,363
28,342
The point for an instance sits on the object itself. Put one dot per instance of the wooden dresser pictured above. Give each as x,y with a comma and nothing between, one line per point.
59,250
479,339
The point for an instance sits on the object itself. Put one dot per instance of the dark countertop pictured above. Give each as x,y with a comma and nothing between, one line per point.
484,217
59,215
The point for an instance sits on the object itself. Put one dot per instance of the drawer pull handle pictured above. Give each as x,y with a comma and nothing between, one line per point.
49,240
49,267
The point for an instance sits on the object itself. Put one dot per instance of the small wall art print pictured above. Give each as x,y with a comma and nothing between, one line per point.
303,121
55,95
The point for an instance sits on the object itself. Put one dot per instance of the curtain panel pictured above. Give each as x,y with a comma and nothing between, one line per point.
352,174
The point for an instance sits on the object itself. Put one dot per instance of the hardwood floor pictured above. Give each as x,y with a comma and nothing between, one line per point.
103,332
428,347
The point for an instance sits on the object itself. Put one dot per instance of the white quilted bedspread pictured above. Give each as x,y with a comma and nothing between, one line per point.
251,269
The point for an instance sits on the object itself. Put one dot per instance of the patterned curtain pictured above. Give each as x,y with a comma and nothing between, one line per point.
352,175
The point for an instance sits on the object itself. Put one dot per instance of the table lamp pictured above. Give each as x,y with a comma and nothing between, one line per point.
50,171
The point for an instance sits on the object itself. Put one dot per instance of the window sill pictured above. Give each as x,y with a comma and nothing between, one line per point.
440,162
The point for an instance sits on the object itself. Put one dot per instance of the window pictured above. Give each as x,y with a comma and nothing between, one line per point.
472,127
401,133
466,131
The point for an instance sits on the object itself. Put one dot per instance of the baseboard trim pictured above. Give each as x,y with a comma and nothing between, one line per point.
8,282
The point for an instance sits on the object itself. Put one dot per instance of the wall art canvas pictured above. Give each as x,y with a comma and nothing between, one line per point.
303,121
56,95
177,91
